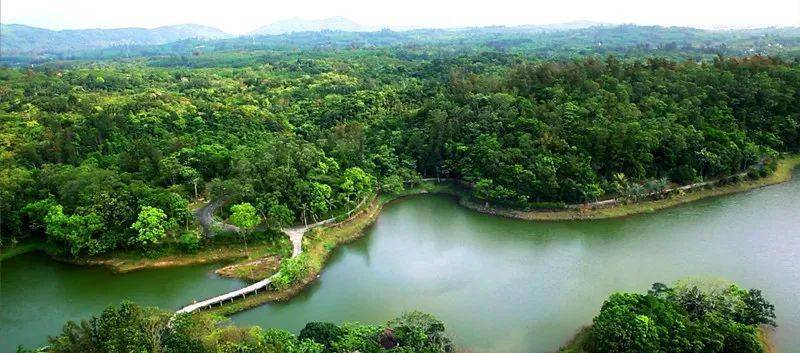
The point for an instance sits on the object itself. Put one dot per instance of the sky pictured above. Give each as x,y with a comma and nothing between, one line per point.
242,16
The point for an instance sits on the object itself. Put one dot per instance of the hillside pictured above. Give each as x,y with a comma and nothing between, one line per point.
18,39
293,25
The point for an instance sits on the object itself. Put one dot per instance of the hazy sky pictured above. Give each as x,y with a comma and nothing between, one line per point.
240,16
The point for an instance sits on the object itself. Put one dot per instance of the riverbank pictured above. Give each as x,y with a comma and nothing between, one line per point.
122,262
783,173
127,261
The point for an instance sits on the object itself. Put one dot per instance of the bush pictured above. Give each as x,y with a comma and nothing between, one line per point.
324,333
189,242
291,270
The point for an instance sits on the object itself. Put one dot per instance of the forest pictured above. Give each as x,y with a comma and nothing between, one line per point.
113,155
120,152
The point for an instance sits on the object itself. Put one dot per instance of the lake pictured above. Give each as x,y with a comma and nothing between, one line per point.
500,285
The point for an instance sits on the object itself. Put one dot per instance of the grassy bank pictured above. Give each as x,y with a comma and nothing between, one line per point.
252,271
134,260
126,261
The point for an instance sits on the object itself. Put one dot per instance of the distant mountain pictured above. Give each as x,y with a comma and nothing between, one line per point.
296,24
568,25
26,39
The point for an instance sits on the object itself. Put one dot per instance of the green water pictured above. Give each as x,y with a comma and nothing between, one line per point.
38,295
500,285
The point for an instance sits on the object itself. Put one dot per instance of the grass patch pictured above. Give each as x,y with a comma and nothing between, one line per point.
252,271
126,261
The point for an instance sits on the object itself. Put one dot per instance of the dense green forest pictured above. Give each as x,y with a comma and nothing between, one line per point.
691,316
109,155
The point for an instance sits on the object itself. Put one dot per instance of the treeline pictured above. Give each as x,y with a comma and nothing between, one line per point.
97,157
129,328
552,42
691,316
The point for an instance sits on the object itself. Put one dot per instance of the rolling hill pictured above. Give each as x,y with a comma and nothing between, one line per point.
26,39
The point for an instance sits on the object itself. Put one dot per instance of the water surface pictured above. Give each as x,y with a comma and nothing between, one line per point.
499,285
504,285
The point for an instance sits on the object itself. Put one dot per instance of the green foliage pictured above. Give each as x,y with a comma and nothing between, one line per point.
692,316
420,332
150,226
393,184
290,271
129,328
120,329
324,333
280,216
81,233
189,242
308,134
244,216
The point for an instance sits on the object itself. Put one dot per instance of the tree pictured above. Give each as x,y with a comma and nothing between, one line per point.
324,333
280,216
355,182
276,340
244,216
149,226
77,231
318,198
392,184
421,332
756,310
620,329
119,329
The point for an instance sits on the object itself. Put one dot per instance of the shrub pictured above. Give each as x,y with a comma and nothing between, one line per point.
291,270
189,242
324,333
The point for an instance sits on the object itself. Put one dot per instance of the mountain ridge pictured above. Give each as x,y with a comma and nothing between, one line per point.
298,24
19,38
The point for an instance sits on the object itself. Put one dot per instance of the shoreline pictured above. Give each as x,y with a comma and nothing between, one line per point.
353,228
783,173
124,262
322,241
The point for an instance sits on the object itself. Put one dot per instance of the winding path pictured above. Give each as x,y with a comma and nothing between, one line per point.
295,235
204,215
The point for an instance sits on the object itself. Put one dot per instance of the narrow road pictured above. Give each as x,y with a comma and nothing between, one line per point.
205,215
